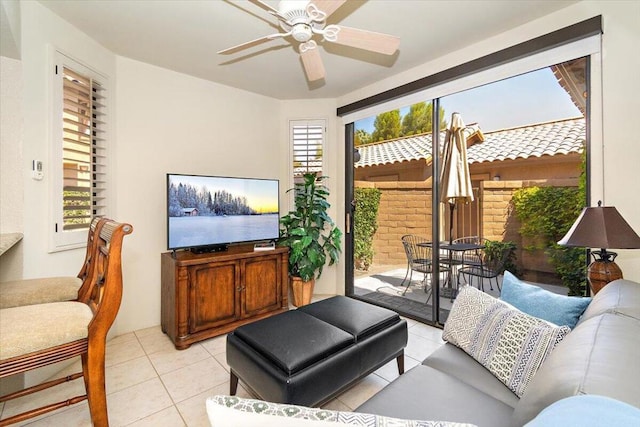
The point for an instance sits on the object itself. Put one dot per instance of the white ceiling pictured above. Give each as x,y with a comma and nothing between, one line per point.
185,35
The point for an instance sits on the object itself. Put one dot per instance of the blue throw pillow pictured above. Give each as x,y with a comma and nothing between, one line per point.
535,301
587,411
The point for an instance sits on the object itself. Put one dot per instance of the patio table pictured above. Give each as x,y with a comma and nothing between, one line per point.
448,291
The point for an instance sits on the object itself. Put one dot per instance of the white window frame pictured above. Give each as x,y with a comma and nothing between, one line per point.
322,123
59,239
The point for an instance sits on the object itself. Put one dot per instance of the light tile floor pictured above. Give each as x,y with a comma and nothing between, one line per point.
150,383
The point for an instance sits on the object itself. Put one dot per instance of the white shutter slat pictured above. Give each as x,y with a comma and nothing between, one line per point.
83,127
308,140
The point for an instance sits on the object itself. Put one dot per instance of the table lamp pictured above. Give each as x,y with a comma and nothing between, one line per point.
601,227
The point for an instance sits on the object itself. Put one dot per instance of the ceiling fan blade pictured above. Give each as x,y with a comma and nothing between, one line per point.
312,63
268,8
328,6
368,40
246,45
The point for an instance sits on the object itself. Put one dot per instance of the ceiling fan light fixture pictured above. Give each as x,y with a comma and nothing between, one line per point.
301,32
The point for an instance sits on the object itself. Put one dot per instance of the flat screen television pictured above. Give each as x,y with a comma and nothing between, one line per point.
207,213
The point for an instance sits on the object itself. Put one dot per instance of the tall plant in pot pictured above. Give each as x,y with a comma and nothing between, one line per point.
311,235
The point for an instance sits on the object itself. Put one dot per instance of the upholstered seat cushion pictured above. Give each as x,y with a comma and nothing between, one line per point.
38,291
356,317
31,328
425,393
455,362
294,340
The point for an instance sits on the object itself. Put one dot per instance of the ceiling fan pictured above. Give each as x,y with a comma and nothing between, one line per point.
303,19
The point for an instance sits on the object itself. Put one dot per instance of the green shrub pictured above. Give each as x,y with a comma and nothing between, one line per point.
493,251
365,225
546,214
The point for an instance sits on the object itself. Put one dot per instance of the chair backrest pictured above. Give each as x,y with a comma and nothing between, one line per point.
104,291
496,264
92,248
468,239
416,254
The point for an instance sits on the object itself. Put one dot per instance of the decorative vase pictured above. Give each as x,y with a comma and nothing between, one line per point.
601,272
302,291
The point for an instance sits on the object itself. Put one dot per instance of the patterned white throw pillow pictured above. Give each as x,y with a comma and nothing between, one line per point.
511,344
228,411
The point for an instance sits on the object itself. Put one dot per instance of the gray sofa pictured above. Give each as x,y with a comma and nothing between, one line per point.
601,356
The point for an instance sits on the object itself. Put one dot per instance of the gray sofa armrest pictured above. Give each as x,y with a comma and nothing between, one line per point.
620,297
600,356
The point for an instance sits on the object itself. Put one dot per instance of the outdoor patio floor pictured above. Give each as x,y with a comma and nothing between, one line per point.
382,285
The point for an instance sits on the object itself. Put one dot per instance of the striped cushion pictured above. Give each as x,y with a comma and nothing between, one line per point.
231,411
38,291
31,328
511,344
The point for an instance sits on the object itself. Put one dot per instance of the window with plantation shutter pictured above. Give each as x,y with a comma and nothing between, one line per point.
307,137
80,188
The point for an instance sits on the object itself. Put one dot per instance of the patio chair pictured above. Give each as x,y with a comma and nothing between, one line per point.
33,336
489,268
418,259
469,258
43,290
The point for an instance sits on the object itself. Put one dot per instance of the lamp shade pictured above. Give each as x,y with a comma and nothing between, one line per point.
601,227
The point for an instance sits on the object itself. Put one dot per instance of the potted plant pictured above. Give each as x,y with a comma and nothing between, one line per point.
310,234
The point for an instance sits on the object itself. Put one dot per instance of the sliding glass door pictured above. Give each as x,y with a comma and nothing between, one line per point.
526,142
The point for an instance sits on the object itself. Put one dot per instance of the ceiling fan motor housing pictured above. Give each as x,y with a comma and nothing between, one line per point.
298,20
301,32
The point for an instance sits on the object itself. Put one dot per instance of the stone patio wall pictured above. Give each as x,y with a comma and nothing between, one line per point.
405,208
500,223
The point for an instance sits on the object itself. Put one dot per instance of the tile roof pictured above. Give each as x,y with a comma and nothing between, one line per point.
543,139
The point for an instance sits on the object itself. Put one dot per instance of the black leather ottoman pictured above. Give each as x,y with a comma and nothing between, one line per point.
309,355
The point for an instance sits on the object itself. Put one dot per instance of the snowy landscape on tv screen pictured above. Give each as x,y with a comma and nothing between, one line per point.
206,210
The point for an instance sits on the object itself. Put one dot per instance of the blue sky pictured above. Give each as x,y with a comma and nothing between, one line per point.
531,98
262,194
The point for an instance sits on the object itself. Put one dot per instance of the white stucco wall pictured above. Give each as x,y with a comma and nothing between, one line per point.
11,174
41,32
332,279
173,123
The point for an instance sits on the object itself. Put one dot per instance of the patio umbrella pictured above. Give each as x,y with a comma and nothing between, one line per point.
455,180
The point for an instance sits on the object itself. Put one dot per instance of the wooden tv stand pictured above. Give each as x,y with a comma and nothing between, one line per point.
205,295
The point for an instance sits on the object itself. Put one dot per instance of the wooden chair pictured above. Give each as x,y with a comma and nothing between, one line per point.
418,259
33,336
17,293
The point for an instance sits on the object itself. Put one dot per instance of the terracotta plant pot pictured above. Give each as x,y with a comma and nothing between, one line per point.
302,291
